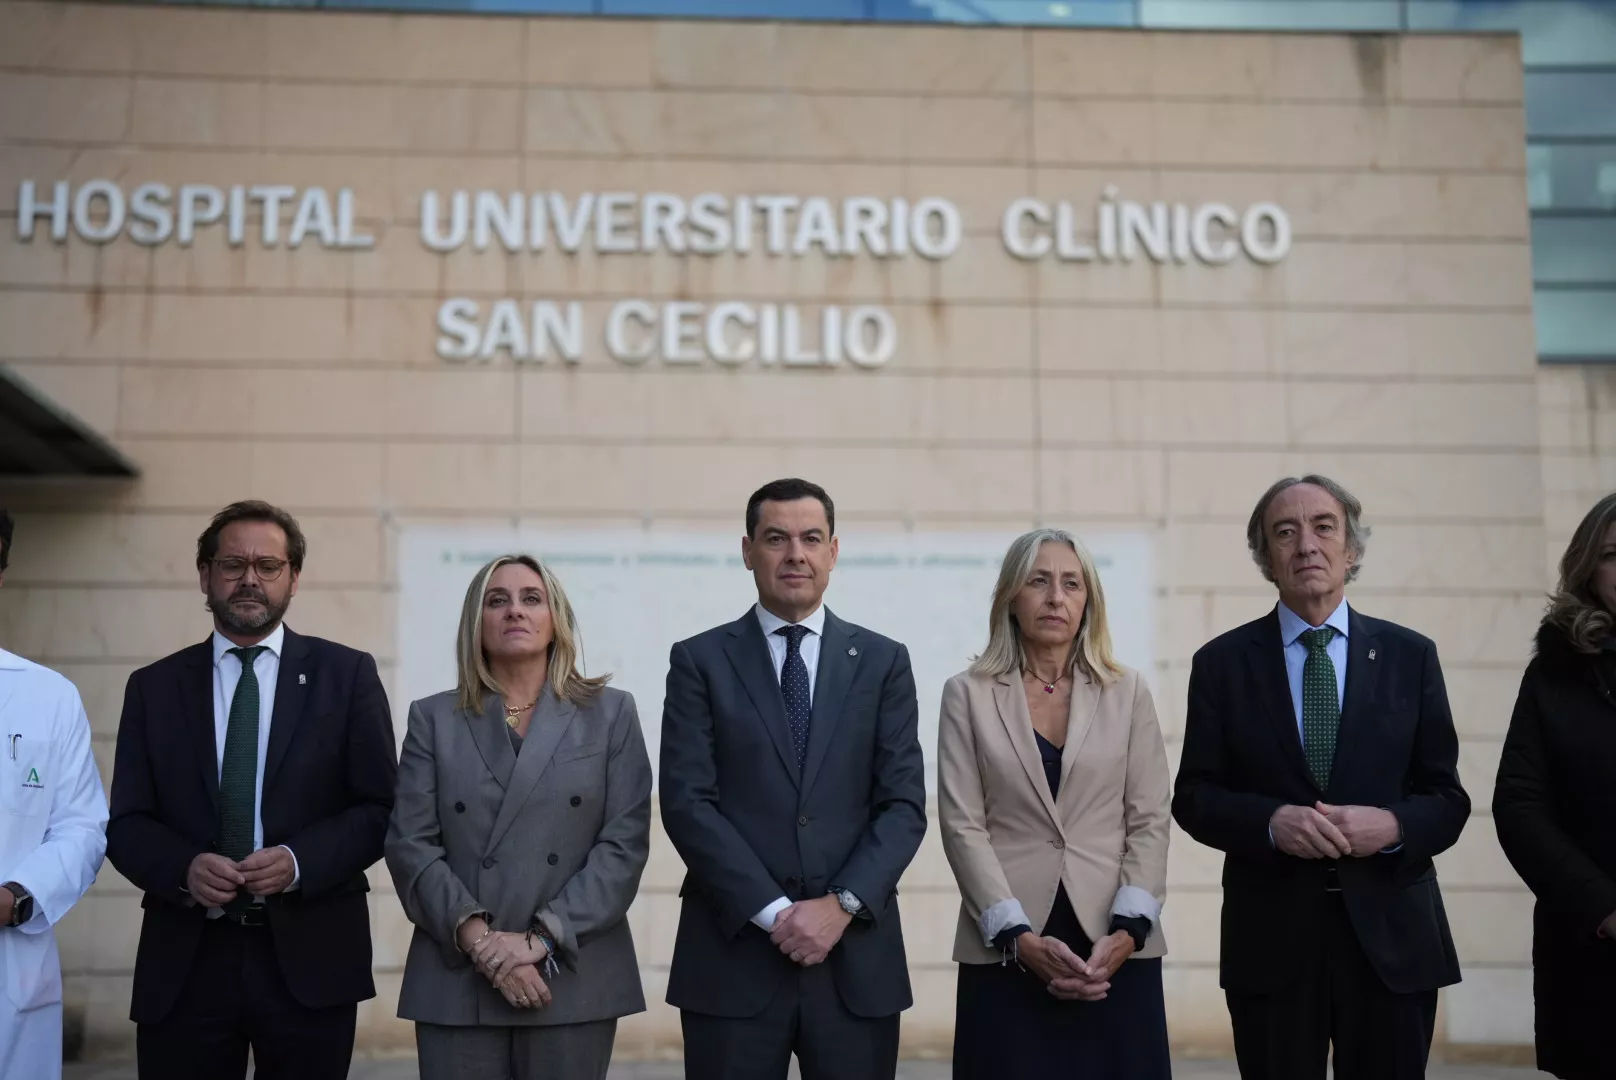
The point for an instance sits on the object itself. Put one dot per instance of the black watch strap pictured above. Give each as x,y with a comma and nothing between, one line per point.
23,909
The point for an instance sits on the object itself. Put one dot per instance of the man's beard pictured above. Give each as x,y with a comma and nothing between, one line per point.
242,623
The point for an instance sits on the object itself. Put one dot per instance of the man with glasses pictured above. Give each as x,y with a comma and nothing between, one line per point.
251,790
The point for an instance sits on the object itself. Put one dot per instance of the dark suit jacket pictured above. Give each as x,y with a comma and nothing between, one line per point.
327,792
751,829
1396,749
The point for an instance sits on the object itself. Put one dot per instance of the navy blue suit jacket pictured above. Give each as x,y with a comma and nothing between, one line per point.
750,828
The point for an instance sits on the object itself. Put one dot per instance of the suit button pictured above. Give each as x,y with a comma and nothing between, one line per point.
802,821
553,859
488,863
576,801
1058,844
460,808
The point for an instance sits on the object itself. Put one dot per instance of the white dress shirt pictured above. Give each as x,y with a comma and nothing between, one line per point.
1291,628
226,676
770,622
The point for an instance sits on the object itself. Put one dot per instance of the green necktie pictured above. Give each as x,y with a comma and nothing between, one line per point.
1321,705
238,777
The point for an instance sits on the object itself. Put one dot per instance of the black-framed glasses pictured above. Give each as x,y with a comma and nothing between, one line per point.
267,569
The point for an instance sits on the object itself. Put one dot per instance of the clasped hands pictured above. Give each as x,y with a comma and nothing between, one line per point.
1322,831
214,879
808,930
507,961
1067,975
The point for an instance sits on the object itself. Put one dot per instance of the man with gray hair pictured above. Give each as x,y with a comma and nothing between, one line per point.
1320,756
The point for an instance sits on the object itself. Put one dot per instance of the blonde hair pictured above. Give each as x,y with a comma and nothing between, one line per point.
564,676
1574,606
1091,649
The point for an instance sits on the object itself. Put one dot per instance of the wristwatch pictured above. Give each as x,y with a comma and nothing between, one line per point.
23,908
850,903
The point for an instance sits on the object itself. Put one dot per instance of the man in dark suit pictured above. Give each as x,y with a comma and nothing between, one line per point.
251,789
793,786
1320,755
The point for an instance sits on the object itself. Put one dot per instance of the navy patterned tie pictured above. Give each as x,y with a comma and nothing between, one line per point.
1321,705
795,690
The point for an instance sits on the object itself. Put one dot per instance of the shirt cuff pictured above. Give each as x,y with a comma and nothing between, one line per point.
1133,902
764,920
297,875
1000,917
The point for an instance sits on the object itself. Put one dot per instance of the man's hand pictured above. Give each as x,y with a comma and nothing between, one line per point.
524,987
7,903
1368,829
268,871
504,951
808,930
213,879
1304,832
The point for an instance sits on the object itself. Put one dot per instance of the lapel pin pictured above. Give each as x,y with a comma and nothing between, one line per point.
1371,654
852,652
303,680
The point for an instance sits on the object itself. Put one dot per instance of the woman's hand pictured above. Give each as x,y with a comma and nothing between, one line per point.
1107,956
503,950
523,987
1048,958
469,932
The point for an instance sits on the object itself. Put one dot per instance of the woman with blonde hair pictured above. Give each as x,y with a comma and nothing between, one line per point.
519,832
1555,806
1053,794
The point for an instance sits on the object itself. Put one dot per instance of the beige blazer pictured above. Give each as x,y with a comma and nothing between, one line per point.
1011,844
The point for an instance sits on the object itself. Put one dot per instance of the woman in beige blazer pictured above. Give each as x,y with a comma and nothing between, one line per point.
519,832
1053,794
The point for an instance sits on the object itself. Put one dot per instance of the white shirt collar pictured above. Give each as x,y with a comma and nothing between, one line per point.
222,645
772,622
12,662
1292,625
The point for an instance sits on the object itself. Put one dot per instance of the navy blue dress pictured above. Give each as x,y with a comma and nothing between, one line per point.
1007,1026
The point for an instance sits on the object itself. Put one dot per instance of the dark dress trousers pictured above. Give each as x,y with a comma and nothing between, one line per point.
751,828
1555,810
204,988
1314,952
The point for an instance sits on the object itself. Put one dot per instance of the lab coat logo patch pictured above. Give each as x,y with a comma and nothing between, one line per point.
33,780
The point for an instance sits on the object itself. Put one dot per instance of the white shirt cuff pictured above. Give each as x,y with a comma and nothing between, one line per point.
1001,917
1132,902
297,874
764,920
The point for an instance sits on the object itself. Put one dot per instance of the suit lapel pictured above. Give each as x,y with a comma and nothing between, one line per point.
551,719
1079,719
1362,678
1266,655
838,662
1011,701
488,733
749,655
290,693
196,697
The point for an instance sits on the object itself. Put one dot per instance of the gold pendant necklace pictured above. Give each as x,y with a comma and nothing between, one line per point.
513,713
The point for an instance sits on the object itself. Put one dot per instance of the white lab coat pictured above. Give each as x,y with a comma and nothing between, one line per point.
53,833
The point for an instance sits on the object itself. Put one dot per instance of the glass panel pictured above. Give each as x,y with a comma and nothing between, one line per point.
1274,14
1014,12
1571,177
1552,31
1571,103
1576,323
847,10
561,7
1574,250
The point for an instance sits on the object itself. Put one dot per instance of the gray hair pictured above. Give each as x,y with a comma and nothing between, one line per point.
1357,531
1091,650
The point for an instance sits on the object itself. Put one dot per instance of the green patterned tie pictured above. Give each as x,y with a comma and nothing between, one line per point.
1321,705
238,777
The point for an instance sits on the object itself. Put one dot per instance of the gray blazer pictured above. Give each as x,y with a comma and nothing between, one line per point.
560,831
